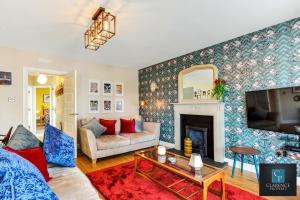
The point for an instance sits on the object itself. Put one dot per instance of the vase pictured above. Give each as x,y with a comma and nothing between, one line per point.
187,147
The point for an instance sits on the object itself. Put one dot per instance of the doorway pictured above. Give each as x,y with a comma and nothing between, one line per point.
59,103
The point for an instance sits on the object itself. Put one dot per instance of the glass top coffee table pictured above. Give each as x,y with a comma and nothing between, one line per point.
178,177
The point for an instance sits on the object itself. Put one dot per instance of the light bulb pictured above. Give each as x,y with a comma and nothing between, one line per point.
42,79
105,25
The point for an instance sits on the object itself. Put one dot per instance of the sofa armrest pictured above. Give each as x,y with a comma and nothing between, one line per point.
152,127
88,143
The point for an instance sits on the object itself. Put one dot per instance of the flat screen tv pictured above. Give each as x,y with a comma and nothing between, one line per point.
274,110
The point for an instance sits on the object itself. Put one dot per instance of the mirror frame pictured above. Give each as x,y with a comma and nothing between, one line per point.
189,70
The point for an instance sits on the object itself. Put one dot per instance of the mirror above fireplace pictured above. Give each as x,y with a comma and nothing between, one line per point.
195,83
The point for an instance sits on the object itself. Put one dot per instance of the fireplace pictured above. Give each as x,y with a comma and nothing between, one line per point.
200,130
211,115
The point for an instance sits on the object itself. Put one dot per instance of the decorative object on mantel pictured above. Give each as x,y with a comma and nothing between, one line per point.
187,147
219,89
59,90
5,78
195,84
101,30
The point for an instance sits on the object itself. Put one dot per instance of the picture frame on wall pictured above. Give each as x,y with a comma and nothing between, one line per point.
119,89
107,105
107,88
94,106
94,87
119,105
46,98
5,78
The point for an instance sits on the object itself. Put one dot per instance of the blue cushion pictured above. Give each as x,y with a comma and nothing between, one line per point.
139,126
95,127
19,179
58,147
23,139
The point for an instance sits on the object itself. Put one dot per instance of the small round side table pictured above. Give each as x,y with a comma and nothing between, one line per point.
248,151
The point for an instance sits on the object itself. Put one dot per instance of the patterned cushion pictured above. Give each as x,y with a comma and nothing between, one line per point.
19,179
58,147
23,139
95,127
139,126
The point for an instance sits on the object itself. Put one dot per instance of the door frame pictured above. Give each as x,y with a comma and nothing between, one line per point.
26,71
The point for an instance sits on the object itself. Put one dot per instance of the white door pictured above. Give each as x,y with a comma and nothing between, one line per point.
70,107
30,108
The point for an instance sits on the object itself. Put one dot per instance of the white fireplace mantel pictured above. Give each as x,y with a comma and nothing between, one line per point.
209,108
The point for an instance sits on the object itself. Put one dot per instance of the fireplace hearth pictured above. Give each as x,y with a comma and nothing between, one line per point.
200,130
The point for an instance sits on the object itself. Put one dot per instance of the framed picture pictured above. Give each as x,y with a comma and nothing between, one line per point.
107,88
119,89
46,98
94,87
5,78
296,89
94,106
107,105
119,105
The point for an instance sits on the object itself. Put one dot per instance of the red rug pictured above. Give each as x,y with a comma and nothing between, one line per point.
120,183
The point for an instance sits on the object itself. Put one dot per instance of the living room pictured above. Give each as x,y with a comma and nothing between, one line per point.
204,107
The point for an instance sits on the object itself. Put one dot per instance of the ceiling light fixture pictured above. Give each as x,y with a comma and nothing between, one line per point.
42,79
102,29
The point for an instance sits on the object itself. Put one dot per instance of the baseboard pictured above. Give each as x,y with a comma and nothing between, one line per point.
167,144
248,167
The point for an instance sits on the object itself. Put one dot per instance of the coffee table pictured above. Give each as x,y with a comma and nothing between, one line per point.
201,179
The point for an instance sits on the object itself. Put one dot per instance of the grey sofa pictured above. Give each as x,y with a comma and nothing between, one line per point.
108,145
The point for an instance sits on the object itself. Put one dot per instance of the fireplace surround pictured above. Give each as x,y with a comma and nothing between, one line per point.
212,108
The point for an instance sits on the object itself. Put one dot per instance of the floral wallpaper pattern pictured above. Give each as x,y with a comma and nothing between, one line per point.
268,58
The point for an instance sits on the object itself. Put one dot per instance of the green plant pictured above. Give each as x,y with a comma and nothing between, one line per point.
219,88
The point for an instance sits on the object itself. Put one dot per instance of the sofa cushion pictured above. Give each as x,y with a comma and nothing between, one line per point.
95,127
139,137
110,125
58,147
20,179
127,126
23,139
139,125
35,156
71,184
112,141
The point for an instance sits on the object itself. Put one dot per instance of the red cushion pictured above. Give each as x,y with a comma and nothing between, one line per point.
110,125
127,126
35,156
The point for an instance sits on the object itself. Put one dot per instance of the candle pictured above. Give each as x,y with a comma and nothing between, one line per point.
161,150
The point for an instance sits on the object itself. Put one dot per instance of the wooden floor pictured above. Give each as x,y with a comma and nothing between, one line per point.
247,181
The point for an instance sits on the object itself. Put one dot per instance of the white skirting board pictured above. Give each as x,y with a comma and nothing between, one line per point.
248,167
167,144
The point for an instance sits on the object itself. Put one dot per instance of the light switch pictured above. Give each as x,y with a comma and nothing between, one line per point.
11,99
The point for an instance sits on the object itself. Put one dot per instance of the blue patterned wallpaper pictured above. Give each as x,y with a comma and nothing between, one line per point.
267,58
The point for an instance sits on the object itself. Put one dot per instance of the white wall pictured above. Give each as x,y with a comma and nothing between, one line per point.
12,60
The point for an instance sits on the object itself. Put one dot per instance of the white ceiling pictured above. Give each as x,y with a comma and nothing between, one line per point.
148,31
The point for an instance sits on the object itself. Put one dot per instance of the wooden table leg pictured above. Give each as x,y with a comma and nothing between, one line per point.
223,186
204,191
135,164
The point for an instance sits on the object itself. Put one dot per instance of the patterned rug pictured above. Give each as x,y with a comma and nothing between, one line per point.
120,183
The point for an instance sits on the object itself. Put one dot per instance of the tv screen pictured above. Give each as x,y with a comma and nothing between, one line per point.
274,110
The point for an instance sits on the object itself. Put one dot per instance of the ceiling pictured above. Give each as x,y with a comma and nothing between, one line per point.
148,31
